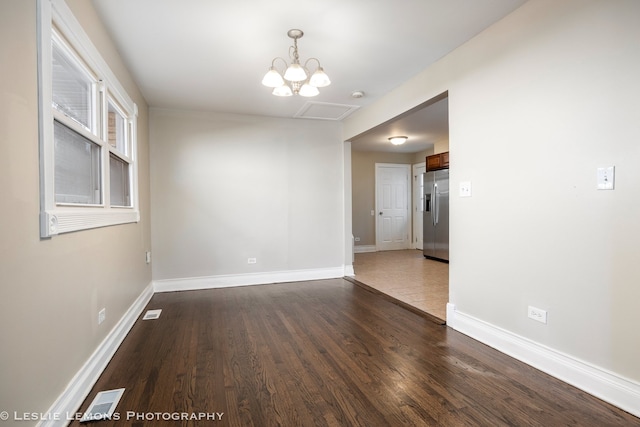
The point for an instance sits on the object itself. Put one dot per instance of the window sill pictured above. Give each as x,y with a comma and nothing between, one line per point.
61,221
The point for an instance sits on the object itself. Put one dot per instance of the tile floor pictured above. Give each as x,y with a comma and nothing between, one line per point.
407,276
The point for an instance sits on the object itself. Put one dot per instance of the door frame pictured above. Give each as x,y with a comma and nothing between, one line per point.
407,169
417,169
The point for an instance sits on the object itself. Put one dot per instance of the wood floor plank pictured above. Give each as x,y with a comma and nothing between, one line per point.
325,353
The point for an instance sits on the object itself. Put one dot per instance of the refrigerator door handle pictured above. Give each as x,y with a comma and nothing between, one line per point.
436,206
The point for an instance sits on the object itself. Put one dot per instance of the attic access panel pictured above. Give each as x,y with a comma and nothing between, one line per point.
325,111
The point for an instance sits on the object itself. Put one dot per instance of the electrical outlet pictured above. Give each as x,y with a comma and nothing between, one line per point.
252,261
537,314
357,239
102,314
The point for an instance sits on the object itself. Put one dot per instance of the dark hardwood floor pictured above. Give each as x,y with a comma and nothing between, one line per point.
325,353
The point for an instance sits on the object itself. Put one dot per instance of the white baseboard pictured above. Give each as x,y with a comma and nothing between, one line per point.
230,280
360,249
79,387
599,382
349,271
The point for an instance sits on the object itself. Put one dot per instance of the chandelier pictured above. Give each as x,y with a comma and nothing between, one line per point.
297,78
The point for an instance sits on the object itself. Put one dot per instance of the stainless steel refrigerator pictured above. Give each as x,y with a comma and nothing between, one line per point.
435,227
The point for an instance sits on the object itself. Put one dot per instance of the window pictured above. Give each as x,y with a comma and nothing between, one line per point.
77,168
87,124
119,174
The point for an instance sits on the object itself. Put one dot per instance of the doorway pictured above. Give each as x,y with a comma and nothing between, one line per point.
393,195
404,275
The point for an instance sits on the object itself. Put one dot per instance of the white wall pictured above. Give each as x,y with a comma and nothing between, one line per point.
226,188
537,102
547,116
52,289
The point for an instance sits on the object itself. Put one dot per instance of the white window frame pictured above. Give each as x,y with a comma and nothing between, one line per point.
57,218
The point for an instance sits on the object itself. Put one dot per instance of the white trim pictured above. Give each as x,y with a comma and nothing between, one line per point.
603,384
346,110
347,205
360,249
56,218
75,34
231,280
417,169
74,219
79,387
349,271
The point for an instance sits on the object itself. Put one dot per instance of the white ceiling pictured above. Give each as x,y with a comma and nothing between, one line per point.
424,126
211,55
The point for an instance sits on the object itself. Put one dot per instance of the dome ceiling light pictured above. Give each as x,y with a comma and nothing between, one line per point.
398,140
297,78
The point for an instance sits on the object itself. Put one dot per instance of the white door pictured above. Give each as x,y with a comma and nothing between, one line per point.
418,203
392,204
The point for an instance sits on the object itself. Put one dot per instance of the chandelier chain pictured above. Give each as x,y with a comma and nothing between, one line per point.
296,58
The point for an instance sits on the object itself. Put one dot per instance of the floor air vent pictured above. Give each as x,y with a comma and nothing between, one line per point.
103,405
152,314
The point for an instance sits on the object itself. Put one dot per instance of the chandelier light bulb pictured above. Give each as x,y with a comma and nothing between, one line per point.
273,78
295,73
308,90
319,78
283,90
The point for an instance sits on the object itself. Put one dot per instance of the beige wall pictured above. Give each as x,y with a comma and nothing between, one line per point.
548,94
422,155
536,103
441,146
363,172
228,187
51,290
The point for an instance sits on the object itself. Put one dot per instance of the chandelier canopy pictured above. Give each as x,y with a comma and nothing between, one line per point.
297,78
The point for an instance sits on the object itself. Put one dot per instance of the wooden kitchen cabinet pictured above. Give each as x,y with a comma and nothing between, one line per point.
438,161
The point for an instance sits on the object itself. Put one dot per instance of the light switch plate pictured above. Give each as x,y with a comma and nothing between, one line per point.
465,189
606,178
